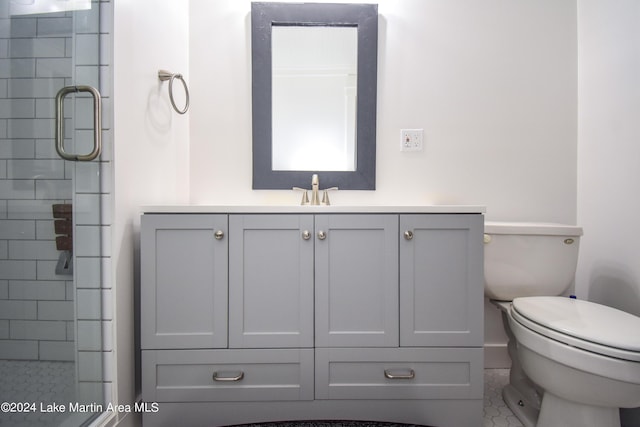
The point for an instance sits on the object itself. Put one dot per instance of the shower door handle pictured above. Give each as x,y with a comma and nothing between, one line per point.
97,123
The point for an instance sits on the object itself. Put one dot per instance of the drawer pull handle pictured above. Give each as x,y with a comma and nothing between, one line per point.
411,375
219,234
408,235
217,377
322,235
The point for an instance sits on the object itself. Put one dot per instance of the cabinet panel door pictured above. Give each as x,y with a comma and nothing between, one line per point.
184,281
399,373
271,281
441,280
357,281
227,375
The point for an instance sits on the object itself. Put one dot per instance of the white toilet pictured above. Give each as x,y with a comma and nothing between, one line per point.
574,363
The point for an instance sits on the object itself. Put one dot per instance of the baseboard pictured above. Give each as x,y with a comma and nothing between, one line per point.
496,356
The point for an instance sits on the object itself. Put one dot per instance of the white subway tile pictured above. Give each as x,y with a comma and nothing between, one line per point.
53,189
30,209
17,68
17,108
30,128
17,270
33,249
17,229
17,148
88,304
86,49
87,176
21,189
55,27
4,329
19,349
37,330
46,270
89,365
36,47
89,336
34,88
53,67
87,272
44,229
55,310
37,290
87,241
23,27
12,310
57,350
35,169
87,209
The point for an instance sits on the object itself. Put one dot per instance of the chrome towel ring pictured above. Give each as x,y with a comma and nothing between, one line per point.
164,75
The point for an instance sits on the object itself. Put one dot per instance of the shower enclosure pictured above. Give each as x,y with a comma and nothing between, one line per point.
54,325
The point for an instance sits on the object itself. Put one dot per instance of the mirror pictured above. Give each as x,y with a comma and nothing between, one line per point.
314,70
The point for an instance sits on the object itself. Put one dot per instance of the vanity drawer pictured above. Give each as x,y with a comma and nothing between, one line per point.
399,373
227,375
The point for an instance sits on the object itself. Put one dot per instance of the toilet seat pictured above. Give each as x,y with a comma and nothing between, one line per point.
589,326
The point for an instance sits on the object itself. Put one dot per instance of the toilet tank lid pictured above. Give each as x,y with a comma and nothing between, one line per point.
531,228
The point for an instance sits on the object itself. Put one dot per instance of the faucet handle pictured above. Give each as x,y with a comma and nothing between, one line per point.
325,195
305,195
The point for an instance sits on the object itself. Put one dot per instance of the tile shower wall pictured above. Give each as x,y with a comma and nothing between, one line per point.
38,307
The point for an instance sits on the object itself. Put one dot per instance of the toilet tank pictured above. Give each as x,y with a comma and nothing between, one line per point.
529,259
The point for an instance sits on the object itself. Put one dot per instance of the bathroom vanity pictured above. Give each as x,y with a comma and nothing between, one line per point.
254,314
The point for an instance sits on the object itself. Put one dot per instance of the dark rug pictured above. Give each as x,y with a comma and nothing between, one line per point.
331,423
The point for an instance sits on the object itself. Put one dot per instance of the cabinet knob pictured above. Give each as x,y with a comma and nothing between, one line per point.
306,234
408,234
219,234
322,235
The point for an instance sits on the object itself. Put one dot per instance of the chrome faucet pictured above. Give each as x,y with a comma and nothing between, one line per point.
315,189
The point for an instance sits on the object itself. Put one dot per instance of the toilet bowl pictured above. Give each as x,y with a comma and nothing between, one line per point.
585,356
572,362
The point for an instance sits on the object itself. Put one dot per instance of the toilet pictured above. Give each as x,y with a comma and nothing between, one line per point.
574,362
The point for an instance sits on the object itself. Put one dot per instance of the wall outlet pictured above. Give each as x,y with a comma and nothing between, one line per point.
411,139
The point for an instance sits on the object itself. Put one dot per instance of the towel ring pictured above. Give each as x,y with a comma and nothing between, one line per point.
164,75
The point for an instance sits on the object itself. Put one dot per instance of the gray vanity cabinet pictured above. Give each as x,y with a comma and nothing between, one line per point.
270,281
322,313
441,281
356,283
184,264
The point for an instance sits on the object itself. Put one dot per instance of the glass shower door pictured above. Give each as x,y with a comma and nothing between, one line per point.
51,225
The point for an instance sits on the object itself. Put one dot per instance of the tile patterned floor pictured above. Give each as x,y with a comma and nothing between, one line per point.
47,382
33,381
496,413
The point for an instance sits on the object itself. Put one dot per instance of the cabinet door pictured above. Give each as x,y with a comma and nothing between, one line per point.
271,281
184,281
441,280
357,280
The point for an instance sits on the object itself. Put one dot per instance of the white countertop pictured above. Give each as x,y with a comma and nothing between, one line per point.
206,209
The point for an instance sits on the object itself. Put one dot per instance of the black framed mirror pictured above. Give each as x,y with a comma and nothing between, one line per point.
302,53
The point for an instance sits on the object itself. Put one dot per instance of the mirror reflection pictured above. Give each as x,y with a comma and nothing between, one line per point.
314,86
314,72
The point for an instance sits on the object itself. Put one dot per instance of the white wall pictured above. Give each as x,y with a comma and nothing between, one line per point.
608,157
492,82
609,152
151,148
